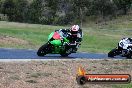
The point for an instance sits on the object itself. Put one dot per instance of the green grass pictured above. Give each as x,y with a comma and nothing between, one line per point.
122,86
35,34
97,37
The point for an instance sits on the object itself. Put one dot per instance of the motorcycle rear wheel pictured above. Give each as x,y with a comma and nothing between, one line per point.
129,56
66,53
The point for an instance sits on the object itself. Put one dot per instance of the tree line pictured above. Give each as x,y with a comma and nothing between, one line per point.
61,12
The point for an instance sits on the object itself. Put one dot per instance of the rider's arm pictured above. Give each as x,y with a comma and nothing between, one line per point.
80,35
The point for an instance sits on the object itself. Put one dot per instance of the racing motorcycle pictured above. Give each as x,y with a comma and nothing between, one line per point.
122,52
58,44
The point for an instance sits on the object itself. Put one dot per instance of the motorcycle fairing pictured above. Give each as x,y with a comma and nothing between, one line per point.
56,36
56,42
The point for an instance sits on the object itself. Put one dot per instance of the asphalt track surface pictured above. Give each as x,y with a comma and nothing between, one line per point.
31,54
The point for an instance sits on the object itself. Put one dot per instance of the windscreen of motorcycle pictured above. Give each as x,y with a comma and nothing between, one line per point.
57,36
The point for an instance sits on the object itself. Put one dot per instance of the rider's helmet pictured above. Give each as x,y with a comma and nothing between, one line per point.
74,30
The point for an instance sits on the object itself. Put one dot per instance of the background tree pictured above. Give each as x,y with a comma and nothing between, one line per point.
61,12
9,9
48,11
79,9
34,11
1,6
16,10
123,5
65,13
21,10
103,7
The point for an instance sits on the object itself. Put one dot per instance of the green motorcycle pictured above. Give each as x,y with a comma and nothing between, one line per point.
58,44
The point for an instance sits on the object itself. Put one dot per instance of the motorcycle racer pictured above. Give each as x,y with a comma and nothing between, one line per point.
124,48
125,43
76,33
73,34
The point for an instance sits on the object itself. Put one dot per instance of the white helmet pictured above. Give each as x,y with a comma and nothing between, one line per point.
75,28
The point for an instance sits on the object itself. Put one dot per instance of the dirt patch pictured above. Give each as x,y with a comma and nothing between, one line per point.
12,40
57,74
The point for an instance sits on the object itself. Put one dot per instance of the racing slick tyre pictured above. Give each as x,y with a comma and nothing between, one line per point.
43,50
66,53
129,56
113,53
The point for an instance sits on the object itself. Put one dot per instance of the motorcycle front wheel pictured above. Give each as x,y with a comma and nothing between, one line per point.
113,53
43,50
